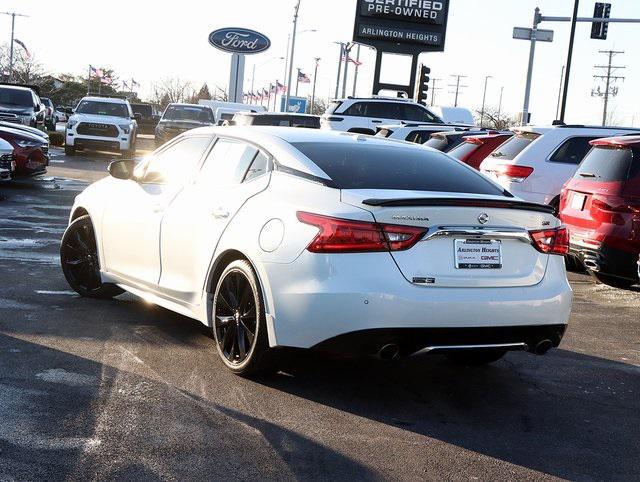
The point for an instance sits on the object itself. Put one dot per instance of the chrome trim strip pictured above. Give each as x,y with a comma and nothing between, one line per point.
503,346
470,232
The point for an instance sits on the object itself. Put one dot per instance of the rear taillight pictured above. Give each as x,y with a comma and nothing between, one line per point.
347,236
511,172
551,241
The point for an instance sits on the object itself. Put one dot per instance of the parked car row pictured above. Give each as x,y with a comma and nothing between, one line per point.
24,151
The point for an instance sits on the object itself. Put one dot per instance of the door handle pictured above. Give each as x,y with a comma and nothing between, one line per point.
220,213
377,121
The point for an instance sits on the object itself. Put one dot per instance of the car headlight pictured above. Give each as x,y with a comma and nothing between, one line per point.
71,123
28,143
126,128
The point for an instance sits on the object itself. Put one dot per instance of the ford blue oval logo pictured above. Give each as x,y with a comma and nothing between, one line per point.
239,41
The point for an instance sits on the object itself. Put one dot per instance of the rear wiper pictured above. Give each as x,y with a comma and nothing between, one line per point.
587,174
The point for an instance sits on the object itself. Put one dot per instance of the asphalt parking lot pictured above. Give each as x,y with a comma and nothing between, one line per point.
122,389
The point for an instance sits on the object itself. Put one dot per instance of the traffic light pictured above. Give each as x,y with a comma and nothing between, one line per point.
422,85
599,30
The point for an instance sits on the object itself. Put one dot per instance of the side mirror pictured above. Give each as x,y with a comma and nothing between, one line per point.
122,169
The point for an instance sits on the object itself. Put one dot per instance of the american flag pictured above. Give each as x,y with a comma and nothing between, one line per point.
96,72
347,58
24,47
303,78
134,84
280,88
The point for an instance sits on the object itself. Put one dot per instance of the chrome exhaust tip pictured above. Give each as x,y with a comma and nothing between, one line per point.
390,351
591,264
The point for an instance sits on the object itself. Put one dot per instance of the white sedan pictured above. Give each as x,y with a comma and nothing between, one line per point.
279,237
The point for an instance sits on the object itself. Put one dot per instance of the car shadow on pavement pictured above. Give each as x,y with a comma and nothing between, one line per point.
66,417
567,415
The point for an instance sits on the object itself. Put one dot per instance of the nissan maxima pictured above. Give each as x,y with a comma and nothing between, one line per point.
277,237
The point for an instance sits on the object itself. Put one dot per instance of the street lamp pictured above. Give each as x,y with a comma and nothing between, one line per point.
289,57
484,98
293,49
13,25
253,76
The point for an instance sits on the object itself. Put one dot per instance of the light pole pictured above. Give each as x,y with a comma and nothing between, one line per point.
500,103
355,75
13,25
347,52
484,98
286,63
315,77
567,77
293,49
342,47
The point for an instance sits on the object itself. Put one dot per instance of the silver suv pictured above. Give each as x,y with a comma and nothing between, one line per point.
21,105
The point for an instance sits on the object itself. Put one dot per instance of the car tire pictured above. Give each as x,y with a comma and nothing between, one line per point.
476,358
614,281
69,150
239,321
80,261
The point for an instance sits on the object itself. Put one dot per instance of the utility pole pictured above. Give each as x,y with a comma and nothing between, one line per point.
484,98
567,77
560,92
293,49
315,81
500,103
609,78
13,27
458,87
433,90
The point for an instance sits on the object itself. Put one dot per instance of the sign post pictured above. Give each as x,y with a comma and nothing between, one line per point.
401,27
239,42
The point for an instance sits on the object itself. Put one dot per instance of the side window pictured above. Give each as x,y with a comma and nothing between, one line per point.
226,164
384,110
259,167
358,110
419,137
573,150
176,164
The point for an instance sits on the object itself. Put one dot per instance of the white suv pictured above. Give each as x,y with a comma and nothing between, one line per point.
366,115
103,123
536,162
417,133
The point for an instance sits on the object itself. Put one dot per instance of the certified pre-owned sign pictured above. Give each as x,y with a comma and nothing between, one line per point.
418,11
239,41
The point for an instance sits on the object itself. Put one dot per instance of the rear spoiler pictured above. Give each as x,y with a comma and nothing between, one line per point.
475,203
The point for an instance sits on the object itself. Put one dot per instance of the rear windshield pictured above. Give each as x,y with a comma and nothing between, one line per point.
609,165
514,146
463,150
142,109
333,107
378,165
16,97
437,142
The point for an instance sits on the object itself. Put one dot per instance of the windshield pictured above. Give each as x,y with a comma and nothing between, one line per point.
16,97
93,107
514,146
46,101
189,113
462,151
333,106
437,142
386,165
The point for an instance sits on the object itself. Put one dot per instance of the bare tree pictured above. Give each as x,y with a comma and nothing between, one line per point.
170,91
26,68
493,119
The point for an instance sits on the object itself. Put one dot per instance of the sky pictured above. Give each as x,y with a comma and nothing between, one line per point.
153,40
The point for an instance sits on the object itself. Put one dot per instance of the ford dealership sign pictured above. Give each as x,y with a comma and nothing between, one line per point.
239,41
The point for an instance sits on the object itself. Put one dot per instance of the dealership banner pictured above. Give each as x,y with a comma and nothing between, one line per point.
418,11
402,26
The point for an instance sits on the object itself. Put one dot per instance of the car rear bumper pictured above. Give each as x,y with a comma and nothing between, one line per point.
607,260
320,297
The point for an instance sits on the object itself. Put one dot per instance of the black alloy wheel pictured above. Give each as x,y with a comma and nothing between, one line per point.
80,262
238,320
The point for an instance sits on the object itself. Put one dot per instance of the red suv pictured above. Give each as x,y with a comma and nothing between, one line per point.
30,151
601,207
475,149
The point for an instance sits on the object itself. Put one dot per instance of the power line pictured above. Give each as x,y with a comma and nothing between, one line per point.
457,87
13,25
610,90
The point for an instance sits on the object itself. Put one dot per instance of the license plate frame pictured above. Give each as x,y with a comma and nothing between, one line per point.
473,254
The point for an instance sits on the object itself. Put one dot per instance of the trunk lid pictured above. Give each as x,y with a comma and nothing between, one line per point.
473,240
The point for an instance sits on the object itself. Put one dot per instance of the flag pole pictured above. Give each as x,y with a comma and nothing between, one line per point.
89,81
315,78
